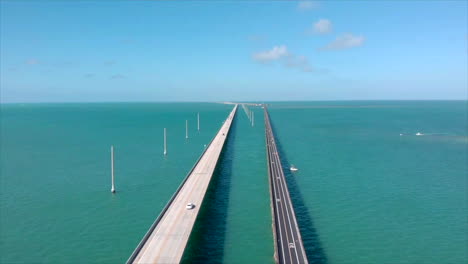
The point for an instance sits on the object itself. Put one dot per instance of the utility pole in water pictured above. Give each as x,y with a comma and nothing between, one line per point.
112,169
165,144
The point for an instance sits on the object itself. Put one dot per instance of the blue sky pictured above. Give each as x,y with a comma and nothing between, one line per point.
97,51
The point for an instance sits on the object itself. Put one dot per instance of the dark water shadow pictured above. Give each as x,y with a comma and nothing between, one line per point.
207,240
312,245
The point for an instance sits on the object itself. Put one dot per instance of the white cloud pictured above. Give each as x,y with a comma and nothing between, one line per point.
323,26
284,57
307,5
277,52
32,62
345,41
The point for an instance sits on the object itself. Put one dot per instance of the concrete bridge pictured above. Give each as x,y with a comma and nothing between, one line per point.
167,238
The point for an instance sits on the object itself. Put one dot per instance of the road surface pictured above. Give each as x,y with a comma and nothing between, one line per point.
167,238
288,242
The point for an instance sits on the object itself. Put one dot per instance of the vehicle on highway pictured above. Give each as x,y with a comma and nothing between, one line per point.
189,206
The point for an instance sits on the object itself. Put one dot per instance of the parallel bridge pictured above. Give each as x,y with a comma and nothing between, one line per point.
167,237
289,247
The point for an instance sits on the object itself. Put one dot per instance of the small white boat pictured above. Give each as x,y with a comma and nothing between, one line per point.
292,168
419,134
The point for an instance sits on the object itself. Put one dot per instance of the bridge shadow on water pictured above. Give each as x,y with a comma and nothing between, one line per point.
206,243
313,247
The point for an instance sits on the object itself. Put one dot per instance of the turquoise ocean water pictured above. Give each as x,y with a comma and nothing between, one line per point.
363,193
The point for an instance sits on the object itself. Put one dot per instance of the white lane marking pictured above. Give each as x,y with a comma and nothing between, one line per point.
279,222
289,218
277,216
284,223
282,186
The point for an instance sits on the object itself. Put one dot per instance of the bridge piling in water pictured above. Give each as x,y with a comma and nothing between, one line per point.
167,237
289,247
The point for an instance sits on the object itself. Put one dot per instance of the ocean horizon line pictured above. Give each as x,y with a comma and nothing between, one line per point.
233,101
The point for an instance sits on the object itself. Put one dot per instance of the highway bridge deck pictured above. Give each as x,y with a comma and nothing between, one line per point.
167,238
289,247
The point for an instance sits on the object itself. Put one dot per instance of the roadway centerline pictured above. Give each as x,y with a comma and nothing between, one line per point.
288,243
